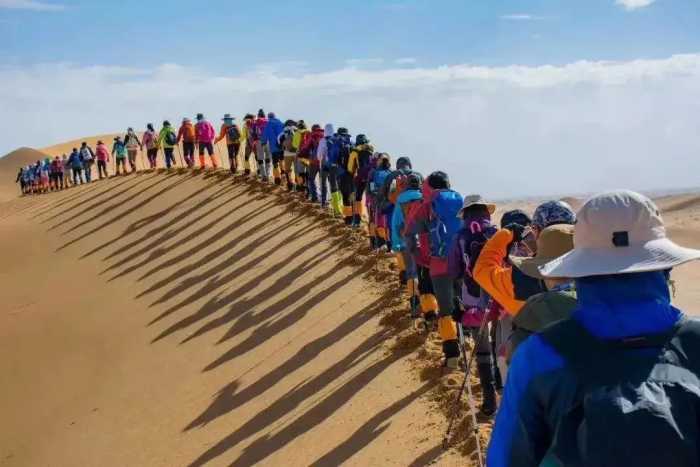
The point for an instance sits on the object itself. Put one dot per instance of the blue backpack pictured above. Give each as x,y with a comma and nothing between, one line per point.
339,151
444,223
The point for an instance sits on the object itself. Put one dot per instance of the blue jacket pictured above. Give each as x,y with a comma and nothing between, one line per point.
75,160
273,129
610,307
397,218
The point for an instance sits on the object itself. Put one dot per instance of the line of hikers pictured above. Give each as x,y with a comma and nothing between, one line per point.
569,314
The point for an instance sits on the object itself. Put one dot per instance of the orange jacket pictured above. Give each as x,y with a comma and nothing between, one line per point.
223,133
493,276
186,133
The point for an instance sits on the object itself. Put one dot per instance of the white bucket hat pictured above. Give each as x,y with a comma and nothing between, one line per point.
619,232
474,200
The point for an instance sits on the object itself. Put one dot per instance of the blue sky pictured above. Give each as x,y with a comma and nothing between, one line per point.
236,35
511,97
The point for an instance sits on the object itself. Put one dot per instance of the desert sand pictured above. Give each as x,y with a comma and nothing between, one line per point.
179,318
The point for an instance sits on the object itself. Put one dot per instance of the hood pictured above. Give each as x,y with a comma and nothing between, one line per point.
318,134
407,196
328,130
625,304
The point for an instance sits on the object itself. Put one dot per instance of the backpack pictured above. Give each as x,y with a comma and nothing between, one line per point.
339,150
365,163
287,140
233,133
472,240
85,154
444,223
170,138
631,401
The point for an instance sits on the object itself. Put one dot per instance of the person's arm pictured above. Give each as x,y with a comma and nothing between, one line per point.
222,134
520,436
495,278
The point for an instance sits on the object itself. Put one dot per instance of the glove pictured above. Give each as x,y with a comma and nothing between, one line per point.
517,231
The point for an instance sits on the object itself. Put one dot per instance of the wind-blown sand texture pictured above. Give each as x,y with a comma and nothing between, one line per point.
189,318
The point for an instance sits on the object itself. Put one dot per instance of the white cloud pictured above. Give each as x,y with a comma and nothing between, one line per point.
31,5
631,5
362,62
522,17
502,131
406,61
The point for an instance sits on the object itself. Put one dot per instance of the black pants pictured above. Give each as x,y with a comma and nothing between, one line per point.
169,157
347,187
102,169
188,151
233,156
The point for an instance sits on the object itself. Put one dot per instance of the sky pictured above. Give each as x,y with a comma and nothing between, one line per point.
510,97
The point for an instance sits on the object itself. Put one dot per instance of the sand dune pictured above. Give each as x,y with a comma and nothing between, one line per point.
178,318
186,319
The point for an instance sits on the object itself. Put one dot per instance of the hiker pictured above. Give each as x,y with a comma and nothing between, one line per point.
377,178
339,157
402,242
88,156
509,286
119,153
359,166
249,138
205,135
286,143
309,156
616,384
20,179
56,174
437,216
232,133
133,144
167,139
299,165
76,165
66,171
393,185
473,314
188,136
271,148
559,299
150,140
328,173
102,156
263,160
502,329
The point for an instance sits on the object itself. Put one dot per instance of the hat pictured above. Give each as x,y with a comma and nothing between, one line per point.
475,200
515,216
228,117
553,212
552,243
186,120
619,232
200,117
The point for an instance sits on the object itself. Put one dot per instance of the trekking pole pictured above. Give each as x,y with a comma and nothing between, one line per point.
465,385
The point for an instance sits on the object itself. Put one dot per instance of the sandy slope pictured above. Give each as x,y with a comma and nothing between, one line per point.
178,320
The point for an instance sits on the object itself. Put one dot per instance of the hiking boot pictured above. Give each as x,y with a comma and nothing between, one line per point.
488,406
278,181
246,172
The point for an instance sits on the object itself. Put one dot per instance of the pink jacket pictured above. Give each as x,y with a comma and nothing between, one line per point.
102,153
205,132
149,140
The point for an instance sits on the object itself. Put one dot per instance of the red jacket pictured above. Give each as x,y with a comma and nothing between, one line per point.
187,133
418,216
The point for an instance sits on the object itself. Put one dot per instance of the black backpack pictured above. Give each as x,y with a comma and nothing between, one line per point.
233,133
170,138
632,401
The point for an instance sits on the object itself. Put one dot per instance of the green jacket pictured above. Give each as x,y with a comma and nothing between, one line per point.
540,311
161,137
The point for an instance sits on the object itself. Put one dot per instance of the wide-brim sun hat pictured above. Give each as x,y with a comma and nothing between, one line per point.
619,232
475,200
552,243
228,117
